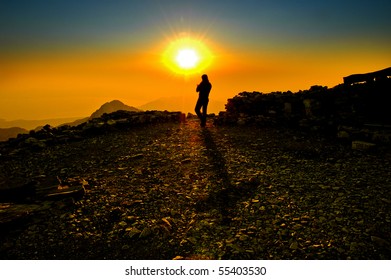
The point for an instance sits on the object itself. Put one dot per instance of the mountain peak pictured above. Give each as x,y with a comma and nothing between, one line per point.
115,103
112,106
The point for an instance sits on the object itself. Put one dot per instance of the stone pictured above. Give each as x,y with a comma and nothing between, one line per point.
146,232
343,134
122,224
133,232
186,160
137,156
65,191
294,245
362,145
381,242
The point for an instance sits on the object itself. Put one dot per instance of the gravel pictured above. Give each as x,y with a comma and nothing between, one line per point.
180,191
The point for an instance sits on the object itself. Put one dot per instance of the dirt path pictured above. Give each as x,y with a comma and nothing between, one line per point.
177,190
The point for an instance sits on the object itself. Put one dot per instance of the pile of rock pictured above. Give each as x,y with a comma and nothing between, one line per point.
317,109
107,123
366,136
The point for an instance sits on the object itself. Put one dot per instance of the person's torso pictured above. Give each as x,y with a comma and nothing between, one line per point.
204,89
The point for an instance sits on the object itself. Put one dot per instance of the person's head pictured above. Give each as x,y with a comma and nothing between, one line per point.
204,77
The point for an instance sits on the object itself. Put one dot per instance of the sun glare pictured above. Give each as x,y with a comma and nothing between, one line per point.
187,56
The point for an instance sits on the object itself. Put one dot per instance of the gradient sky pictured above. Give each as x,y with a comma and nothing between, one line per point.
66,58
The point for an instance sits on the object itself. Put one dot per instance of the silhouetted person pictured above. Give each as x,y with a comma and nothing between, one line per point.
203,99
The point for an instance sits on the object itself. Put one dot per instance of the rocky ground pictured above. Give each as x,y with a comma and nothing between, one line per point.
178,191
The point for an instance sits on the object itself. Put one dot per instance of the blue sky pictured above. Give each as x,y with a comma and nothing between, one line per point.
27,24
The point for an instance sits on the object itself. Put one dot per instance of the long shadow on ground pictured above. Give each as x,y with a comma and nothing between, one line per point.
224,195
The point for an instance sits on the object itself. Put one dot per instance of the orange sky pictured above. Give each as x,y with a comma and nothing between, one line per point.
75,84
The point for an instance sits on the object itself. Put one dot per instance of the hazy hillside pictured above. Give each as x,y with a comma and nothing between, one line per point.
76,122
33,124
6,133
9,129
181,103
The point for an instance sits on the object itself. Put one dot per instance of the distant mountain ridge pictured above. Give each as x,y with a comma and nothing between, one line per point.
33,124
112,106
13,128
107,108
6,133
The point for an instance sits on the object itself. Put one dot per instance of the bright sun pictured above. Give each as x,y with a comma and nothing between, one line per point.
187,56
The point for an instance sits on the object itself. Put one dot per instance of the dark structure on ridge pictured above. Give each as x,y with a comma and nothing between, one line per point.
368,77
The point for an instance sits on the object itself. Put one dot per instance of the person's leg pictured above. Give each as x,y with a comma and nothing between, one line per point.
197,109
204,112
